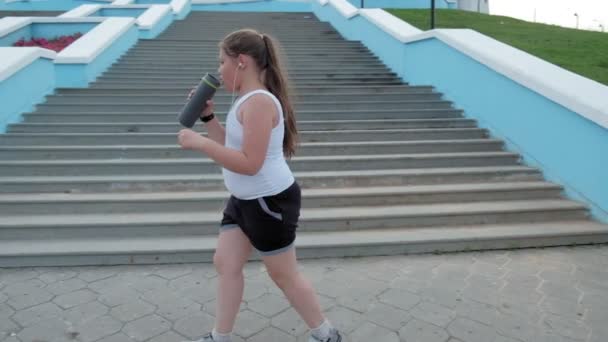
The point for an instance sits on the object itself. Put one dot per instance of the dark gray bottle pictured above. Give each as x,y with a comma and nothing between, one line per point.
197,103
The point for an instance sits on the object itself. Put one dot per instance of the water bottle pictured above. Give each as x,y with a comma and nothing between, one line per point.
197,103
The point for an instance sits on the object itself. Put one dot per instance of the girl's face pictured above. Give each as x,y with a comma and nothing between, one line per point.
227,70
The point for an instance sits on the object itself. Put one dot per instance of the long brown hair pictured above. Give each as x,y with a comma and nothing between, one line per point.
265,51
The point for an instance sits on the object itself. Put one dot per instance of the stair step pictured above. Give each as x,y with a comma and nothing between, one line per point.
172,249
191,201
13,139
310,115
304,149
161,224
226,98
173,126
311,163
224,106
179,92
322,179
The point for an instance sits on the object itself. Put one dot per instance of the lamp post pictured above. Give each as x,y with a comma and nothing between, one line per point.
577,17
432,14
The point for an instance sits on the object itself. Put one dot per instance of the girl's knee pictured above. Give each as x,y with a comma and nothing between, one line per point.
283,278
228,265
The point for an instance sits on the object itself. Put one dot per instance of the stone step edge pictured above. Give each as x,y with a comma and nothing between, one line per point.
309,192
19,253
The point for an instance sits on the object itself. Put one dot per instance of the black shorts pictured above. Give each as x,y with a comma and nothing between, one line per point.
269,222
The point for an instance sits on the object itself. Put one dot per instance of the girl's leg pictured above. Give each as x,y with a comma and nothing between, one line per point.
283,269
233,251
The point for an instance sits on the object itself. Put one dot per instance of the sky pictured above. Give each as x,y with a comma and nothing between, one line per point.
591,13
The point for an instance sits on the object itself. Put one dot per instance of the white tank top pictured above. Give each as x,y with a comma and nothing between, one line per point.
275,175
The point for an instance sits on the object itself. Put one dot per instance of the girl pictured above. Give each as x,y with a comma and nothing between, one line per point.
264,205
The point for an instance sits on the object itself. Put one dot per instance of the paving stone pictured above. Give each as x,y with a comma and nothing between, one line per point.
169,336
268,305
401,299
433,313
516,326
17,275
344,319
148,283
290,322
479,312
471,331
37,314
174,310
95,273
132,310
84,313
387,316
249,323
419,331
30,297
47,330
566,327
146,327
7,328
66,286
119,337
271,334
119,295
58,274
372,332
72,299
194,326
98,328
170,272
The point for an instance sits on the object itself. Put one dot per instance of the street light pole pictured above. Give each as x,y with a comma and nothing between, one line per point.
576,15
432,14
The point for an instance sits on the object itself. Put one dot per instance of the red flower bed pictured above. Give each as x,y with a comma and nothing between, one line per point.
56,44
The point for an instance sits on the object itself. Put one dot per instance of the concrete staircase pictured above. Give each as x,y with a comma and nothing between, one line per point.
95,175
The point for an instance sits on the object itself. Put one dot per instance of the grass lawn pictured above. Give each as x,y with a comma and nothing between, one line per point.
583,52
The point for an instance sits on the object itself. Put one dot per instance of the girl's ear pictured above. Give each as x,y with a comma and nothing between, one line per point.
241,61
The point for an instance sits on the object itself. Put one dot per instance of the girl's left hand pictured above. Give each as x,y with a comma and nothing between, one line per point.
189,139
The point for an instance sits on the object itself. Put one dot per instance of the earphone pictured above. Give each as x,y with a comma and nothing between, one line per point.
239,66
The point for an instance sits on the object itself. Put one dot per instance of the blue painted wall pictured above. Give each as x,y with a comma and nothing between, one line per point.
568,148
50,5
18,94
159,28
80,75
45,30
401,3
52,30
120,12
263,6
11,38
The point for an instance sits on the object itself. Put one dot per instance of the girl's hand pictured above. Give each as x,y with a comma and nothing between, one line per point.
208,109
189,139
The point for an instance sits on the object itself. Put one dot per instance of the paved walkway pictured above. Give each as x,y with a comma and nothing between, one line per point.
539,295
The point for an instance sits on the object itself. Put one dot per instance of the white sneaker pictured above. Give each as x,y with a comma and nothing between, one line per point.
334,336
206,338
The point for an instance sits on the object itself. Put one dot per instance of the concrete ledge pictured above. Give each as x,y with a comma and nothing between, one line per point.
150,18
81,11
345,8
89,46
579,94
214,2
17,58
392,25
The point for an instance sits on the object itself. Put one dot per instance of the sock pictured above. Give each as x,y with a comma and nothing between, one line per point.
322,332
217,337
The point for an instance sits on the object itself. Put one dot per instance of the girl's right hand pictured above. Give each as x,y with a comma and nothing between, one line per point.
208,109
